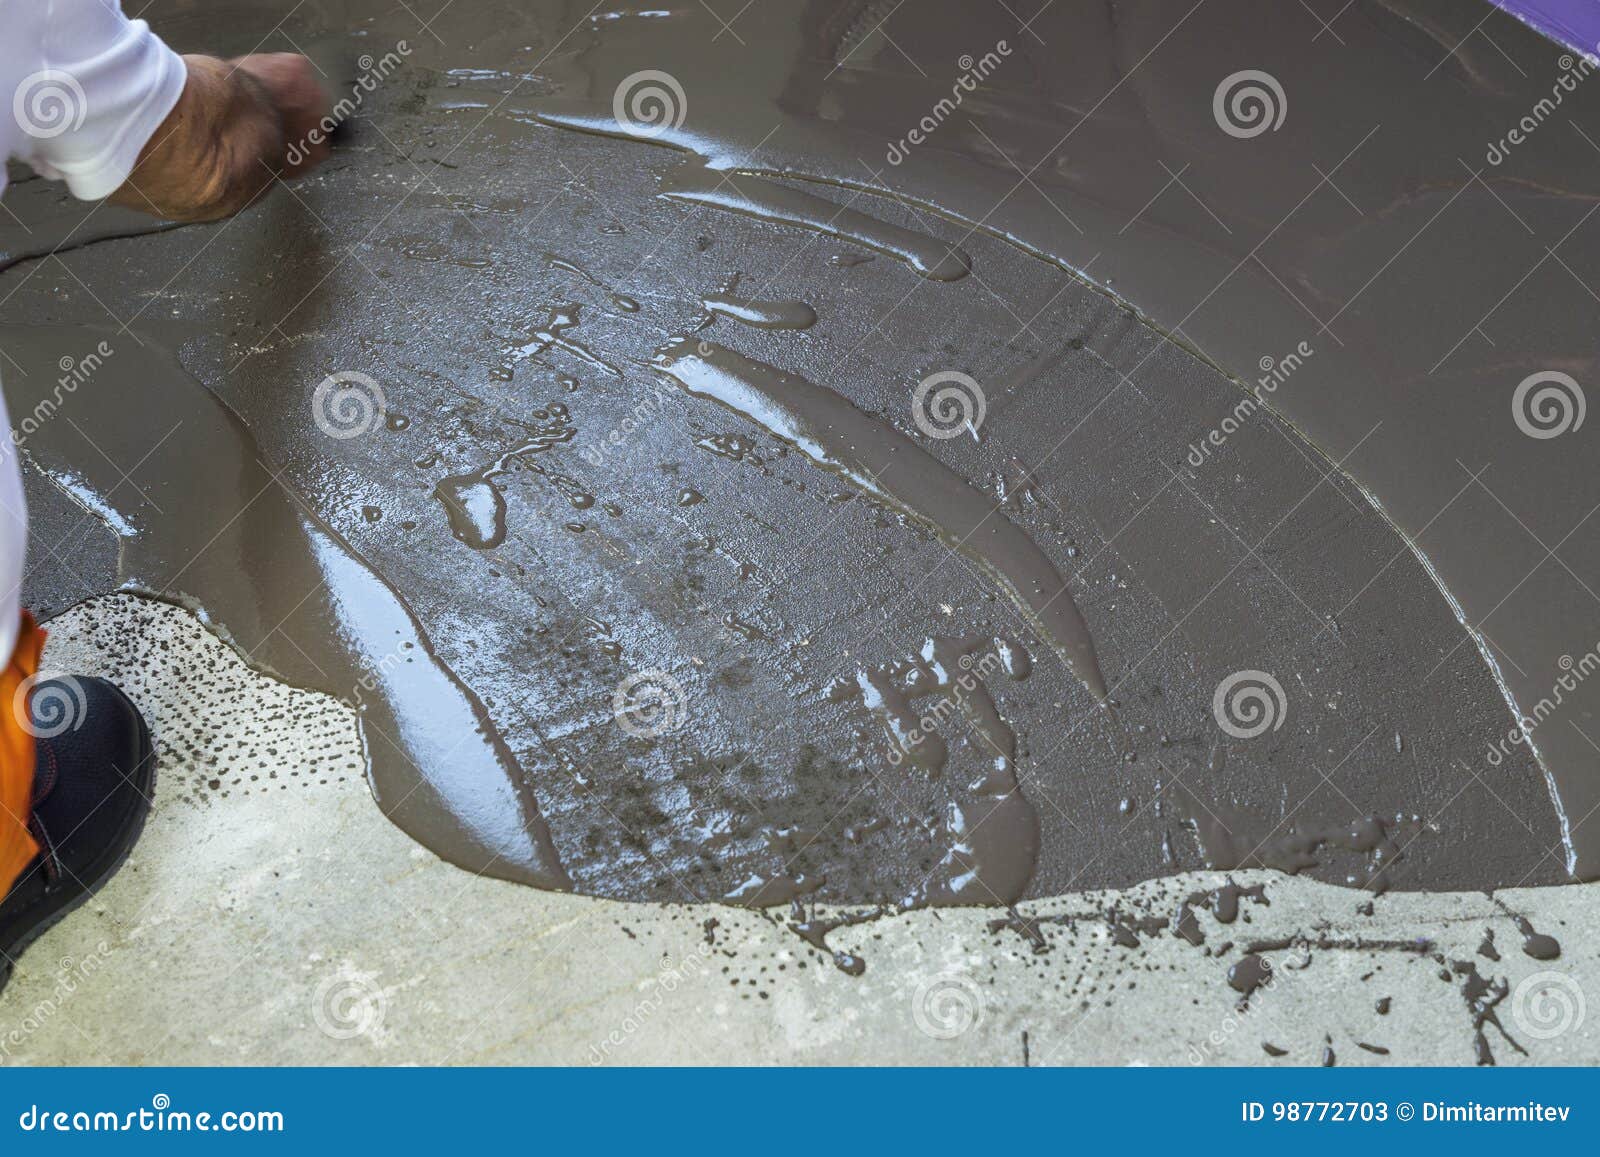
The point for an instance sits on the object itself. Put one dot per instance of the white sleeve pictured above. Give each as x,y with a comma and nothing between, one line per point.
13,539
92,87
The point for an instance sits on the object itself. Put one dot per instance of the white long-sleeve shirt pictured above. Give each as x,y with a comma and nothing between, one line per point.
82,89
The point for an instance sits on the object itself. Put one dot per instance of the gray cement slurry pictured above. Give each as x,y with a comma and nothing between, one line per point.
271,914
487,271
1297,261
213,528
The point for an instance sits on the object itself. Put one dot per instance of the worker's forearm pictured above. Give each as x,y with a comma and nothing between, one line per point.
219,148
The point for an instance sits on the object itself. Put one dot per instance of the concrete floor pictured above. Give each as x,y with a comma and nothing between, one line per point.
277,917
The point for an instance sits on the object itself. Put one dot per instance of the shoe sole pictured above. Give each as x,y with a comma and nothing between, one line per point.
72,898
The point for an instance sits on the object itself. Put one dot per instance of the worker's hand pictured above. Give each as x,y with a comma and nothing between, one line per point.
291,84
238,127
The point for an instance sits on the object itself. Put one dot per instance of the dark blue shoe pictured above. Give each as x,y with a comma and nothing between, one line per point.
91,793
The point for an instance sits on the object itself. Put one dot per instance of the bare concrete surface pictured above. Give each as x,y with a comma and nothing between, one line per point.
271,914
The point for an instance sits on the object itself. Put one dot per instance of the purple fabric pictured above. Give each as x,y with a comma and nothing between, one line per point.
1575,23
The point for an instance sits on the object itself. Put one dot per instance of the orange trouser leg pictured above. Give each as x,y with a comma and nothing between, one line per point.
17,847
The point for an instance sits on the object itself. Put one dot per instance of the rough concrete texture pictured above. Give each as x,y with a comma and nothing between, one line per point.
273,915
